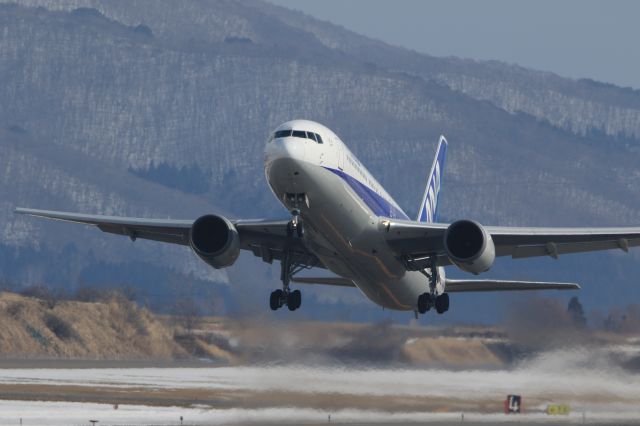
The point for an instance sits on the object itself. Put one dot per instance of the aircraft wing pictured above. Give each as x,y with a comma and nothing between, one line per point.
463,286
423,239
265,238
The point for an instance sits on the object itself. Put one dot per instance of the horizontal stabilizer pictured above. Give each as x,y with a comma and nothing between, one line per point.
460,286
339,281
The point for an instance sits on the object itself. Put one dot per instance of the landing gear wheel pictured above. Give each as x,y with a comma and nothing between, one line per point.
275,300
290,229
442,303
424,302
294,300
300,230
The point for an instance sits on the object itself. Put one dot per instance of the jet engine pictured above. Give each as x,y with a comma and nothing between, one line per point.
469,246
215,240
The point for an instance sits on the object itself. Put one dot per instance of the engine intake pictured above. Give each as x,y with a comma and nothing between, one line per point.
469,246
215,240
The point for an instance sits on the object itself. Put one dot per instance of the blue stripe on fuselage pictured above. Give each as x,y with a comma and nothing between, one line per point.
372,199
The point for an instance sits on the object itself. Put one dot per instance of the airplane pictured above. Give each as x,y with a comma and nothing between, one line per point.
344,221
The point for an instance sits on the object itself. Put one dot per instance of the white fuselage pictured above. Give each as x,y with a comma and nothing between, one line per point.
342,207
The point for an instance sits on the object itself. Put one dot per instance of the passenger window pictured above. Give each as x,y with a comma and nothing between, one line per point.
319,139
299,134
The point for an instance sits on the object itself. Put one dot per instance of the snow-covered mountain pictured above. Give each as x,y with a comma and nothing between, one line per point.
162,109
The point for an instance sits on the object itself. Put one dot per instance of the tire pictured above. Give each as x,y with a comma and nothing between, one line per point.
424,303
300,230
290,229
275,300
442,303
294,300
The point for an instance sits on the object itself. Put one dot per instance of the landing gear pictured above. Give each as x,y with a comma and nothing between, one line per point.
290,265
442,303
424,303
295,201
295,227
275,301
294,300
430,299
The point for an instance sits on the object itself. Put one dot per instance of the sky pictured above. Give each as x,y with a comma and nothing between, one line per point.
573,38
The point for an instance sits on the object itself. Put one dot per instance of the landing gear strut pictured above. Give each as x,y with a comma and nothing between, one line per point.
295,227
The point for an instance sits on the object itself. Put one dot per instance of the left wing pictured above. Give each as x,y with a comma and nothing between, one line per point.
425,239
165,230
265,238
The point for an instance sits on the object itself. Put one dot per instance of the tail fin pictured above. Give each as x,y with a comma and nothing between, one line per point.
429,207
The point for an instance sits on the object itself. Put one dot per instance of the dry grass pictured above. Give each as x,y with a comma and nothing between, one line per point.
447,351
114,329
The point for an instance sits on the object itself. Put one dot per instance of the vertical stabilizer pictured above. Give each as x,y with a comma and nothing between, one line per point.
429,207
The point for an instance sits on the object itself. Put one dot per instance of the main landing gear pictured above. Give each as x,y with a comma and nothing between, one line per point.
279,298
291,298
428,300
290,266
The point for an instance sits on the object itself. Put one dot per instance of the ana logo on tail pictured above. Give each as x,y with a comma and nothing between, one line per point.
429,206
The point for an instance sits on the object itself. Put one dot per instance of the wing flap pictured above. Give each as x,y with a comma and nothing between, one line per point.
554,250
463,286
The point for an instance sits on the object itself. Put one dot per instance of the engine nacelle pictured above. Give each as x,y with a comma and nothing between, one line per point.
215,240
469,246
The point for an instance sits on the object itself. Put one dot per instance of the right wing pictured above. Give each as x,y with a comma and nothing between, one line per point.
462,286
418,239
265,238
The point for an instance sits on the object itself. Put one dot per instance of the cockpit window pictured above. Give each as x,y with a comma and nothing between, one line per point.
297,134
282,133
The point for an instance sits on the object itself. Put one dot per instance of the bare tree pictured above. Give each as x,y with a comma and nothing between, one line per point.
47,296
186,314
576,312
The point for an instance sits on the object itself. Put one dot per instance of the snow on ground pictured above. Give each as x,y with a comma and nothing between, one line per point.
586,382
38,413
573,374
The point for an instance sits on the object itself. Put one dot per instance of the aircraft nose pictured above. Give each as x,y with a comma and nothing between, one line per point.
289,147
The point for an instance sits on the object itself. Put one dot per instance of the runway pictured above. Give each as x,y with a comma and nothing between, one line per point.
65,413
596,391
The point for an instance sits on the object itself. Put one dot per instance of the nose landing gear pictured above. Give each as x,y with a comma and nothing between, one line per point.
295,227
295,201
